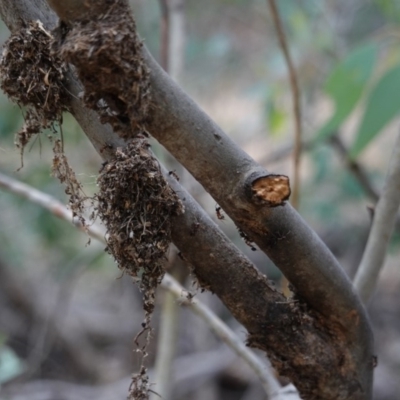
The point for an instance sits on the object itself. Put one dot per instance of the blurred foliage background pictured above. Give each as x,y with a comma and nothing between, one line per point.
65,312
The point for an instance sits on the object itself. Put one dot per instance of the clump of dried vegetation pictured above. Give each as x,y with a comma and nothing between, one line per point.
32,77
106,52
136,204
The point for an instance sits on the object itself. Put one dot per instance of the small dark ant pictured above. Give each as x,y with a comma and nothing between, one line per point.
103,165
218,211
107,146
247,240
174,174
190,296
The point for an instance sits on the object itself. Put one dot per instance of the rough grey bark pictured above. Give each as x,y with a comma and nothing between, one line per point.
329,358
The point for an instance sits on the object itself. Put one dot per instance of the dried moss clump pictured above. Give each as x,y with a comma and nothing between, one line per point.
136,204
32,77
106,52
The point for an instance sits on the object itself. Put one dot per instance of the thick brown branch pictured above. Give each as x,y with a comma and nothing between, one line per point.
223,169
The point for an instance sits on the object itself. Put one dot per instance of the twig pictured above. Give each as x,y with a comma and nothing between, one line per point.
164,34
176,38
381,230
172,56
296,100
166,347
168,335
49,203
263,371
355,168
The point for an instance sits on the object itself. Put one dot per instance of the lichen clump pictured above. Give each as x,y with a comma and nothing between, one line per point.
136,204
33,77
106,52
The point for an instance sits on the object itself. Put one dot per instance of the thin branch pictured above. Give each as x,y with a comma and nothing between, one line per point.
172,55
49,203
164,34
176,42
166,346
168,334
54,206
381,230
296,100
355,168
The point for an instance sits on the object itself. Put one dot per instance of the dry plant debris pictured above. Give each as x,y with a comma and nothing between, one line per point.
106,52
32,77
66,175
136,204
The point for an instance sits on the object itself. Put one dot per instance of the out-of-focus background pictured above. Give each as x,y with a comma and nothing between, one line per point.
68,317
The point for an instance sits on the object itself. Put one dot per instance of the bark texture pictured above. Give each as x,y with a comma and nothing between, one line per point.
321,340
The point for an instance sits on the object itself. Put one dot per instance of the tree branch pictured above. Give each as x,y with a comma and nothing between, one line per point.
172,57
382,227
225,171
176,42
164,34
354,167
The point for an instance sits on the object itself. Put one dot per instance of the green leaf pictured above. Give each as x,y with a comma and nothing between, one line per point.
382,106
346,84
